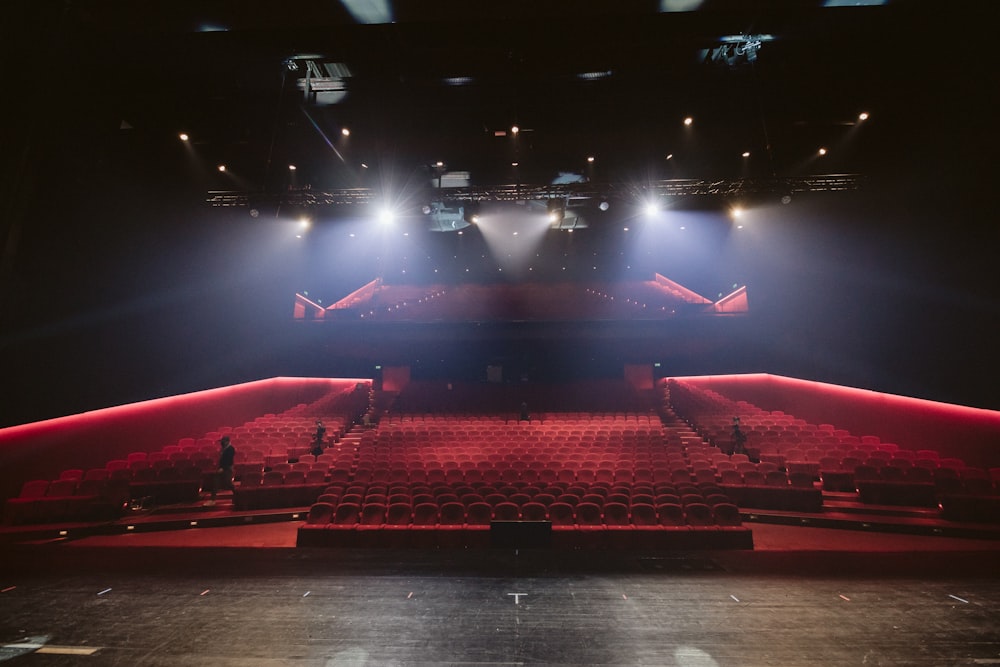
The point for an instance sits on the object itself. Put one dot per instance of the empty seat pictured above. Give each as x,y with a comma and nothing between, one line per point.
616,514
727,514
425,514
534,511
562,514
320,514
346,514
670,514
452,514
506,511
478,514
699,514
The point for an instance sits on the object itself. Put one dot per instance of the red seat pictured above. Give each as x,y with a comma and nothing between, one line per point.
727,514
478,514
699,514
534,511
506,511
670,514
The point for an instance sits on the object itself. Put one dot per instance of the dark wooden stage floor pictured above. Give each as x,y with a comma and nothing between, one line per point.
94,604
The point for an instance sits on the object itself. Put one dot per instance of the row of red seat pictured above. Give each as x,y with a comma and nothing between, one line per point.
586,525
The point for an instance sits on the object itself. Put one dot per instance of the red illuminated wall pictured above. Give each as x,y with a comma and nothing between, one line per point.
970,434
89,440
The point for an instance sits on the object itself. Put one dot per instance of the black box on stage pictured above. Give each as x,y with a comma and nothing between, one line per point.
521,534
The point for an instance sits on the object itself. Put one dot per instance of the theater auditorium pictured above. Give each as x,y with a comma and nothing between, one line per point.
382,332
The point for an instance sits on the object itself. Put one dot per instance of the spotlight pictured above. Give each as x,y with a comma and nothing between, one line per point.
557,210
514,129
746,153
590,158
604,206
386,216
292,167
822,151
345,132
221,167
863,115
688,121
736,212
183,136
670,156
304,222
651,209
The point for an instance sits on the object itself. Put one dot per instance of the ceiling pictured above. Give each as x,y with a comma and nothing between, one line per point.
443,80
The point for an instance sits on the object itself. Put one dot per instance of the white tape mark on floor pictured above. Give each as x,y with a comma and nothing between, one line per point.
69,650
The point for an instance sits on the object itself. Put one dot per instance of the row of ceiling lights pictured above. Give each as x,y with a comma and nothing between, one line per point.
515,130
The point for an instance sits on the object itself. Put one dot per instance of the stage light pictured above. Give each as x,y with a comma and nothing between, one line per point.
386,215
590,158
183,136
604,206
292,167
556,211
651,209
736,212
514,164
786,199
746,153
863,115
345,132
304,222
822,151
364,166
221,167
439,164
670,156
514,129
688,121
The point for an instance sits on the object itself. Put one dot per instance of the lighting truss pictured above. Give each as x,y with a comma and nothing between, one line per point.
576,193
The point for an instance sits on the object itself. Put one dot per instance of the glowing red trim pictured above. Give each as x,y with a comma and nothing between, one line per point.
688,295
893,400
104,415
364,293
735,302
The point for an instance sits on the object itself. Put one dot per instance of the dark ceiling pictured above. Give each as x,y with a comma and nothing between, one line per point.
440,81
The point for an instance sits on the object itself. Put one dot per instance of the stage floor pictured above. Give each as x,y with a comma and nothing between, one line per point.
253,606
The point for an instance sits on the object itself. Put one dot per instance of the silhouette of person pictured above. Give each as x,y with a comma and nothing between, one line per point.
224,474
739,438
317,445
